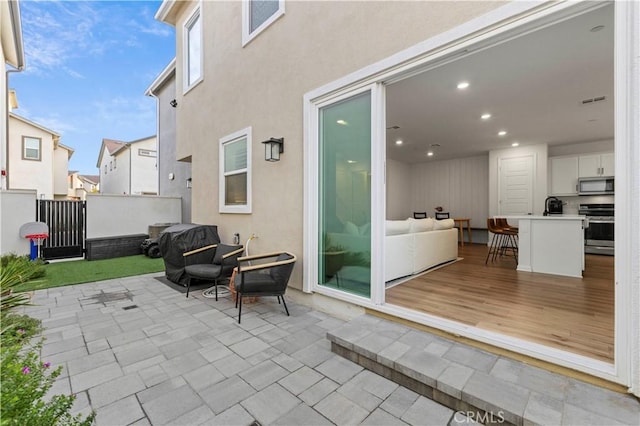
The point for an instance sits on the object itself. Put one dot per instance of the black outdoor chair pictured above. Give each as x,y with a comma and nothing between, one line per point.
266,279
419,215
222,261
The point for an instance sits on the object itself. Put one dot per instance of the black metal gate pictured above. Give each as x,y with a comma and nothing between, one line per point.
67,228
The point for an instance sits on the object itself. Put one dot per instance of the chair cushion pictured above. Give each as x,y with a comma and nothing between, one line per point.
439,225
204,271
258,282
221,250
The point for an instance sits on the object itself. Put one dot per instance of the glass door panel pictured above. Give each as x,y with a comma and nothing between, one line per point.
344,226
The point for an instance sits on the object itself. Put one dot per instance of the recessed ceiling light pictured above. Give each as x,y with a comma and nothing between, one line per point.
351,161
463,85
342,122
485,116
502,133
399,142
515,144
597,28
430,154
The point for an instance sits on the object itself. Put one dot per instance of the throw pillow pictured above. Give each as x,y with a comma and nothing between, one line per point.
397,227
351,229
443,224
421,225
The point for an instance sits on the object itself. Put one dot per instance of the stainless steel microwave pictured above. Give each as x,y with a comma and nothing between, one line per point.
596,186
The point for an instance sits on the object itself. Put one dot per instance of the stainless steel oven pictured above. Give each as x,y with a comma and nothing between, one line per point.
598,234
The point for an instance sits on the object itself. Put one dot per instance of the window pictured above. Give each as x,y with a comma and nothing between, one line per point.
114,163
110,165
258,15
193,51
235,172
105,169
31,148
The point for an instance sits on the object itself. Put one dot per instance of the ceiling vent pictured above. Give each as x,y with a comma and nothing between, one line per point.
591,101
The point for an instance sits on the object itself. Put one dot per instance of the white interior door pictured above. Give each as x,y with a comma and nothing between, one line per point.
516,185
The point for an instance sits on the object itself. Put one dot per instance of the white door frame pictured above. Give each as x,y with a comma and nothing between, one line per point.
511,20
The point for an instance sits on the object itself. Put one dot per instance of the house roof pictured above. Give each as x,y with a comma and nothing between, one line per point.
69,149
56,136
114,147
11,33
92,179
165,75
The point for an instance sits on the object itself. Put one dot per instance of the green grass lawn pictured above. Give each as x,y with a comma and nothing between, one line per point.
82,271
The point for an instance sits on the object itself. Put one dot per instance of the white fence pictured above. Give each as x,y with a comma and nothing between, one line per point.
116,215
106,216
16,208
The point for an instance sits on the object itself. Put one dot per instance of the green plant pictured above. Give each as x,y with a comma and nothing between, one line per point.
25,382
18,328
15,270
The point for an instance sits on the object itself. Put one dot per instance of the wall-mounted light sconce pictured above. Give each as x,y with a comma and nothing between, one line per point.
273,148
189,183
173,103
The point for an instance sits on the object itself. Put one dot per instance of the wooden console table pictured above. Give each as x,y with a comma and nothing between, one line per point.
460,222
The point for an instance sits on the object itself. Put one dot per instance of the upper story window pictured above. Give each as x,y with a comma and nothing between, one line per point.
105,169
31,148
235,172
110,165
114,163
257,15
193,50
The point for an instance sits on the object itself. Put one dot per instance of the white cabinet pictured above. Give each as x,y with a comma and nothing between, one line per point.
594,165
563,176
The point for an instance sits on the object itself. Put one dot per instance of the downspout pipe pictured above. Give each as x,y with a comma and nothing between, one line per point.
14,15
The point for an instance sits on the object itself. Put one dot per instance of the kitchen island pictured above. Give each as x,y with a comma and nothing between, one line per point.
550,244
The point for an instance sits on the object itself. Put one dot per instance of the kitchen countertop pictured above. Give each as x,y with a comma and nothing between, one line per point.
541,217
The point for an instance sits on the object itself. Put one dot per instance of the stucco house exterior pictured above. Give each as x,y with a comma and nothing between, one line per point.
12,56
321,76
80,185
174,174
36,159
128,167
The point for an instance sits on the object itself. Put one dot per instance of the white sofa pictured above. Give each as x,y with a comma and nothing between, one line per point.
415,245
411,245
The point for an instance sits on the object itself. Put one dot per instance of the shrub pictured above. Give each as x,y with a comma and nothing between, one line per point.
26,379
15,270
25,382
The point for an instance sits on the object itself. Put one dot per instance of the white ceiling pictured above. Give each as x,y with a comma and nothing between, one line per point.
533,86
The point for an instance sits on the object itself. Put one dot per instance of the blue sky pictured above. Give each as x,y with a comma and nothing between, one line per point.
87,67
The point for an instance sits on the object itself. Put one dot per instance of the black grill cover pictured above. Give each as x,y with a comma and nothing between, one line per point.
181,238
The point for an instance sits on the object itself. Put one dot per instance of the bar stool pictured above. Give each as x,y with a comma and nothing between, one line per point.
503,239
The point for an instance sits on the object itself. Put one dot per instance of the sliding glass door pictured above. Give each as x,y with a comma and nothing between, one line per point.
344,204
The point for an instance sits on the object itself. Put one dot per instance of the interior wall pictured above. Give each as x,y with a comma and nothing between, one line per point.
460,186
399,203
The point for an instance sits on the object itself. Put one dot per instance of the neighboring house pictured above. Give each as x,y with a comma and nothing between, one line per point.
174,174
12,56
341,82
36,159
128,167
80,185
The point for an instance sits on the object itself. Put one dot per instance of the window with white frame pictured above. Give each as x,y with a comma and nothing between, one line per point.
257,15
193,50
31,148
235,172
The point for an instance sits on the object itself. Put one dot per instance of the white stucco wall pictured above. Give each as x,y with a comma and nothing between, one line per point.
114,215
30,174
144,173
60,172
16,209
115,180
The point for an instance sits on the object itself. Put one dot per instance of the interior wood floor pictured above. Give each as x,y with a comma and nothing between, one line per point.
576,315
